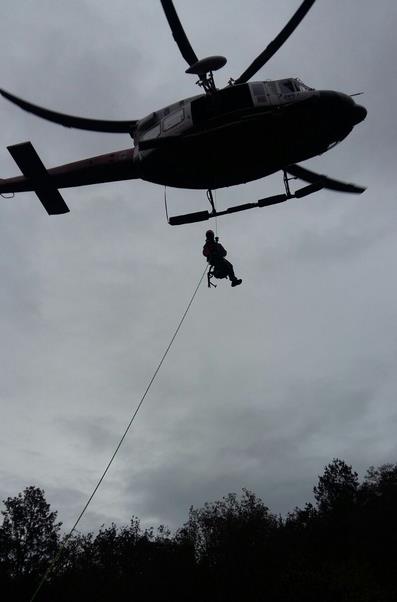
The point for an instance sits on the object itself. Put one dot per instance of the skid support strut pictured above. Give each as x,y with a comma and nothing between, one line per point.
210,197
286,184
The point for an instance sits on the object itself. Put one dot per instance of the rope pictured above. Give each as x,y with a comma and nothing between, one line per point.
212,199
216,217
165,203
58,555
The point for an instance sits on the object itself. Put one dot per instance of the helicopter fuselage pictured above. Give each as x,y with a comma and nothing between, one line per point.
234,135
241,133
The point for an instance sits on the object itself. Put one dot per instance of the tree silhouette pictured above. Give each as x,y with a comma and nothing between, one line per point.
233,540
337,487
29,534
342,547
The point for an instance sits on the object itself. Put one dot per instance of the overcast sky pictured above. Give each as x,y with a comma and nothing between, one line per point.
266,383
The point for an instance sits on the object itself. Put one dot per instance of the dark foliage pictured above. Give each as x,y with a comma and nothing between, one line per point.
29,539
342,548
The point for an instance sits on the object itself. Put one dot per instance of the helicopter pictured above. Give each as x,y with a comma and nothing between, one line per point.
215,139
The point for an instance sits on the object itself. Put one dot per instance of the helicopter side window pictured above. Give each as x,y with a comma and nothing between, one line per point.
173,119
271,88
152,133
258,90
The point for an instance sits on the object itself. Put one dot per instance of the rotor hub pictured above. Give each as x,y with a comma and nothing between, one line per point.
206,65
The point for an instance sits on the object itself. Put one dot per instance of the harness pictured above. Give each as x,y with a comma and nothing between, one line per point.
215,271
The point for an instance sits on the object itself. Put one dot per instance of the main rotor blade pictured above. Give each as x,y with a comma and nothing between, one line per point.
276,44
178,32
70,121
323,181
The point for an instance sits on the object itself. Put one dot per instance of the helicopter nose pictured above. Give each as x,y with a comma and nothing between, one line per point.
359,113
341,107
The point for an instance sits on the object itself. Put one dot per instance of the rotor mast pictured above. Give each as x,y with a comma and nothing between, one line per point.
204,69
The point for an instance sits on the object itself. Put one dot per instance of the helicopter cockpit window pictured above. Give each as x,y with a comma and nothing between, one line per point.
173,119
302,87
287,86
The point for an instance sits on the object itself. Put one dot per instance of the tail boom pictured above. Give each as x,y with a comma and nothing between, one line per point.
45,183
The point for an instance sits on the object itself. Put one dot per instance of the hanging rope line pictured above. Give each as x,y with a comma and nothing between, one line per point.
216,217
165,203
54,562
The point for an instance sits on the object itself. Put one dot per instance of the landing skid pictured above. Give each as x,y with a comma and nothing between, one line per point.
200,216
317,182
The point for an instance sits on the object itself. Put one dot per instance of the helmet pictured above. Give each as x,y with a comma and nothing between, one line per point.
210,234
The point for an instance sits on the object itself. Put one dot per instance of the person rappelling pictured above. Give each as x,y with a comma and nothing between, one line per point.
215,254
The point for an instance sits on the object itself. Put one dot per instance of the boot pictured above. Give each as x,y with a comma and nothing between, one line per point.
236,281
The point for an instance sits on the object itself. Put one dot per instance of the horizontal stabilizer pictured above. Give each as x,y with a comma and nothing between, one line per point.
33,169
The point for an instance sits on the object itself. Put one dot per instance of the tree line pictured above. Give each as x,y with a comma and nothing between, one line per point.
343,547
